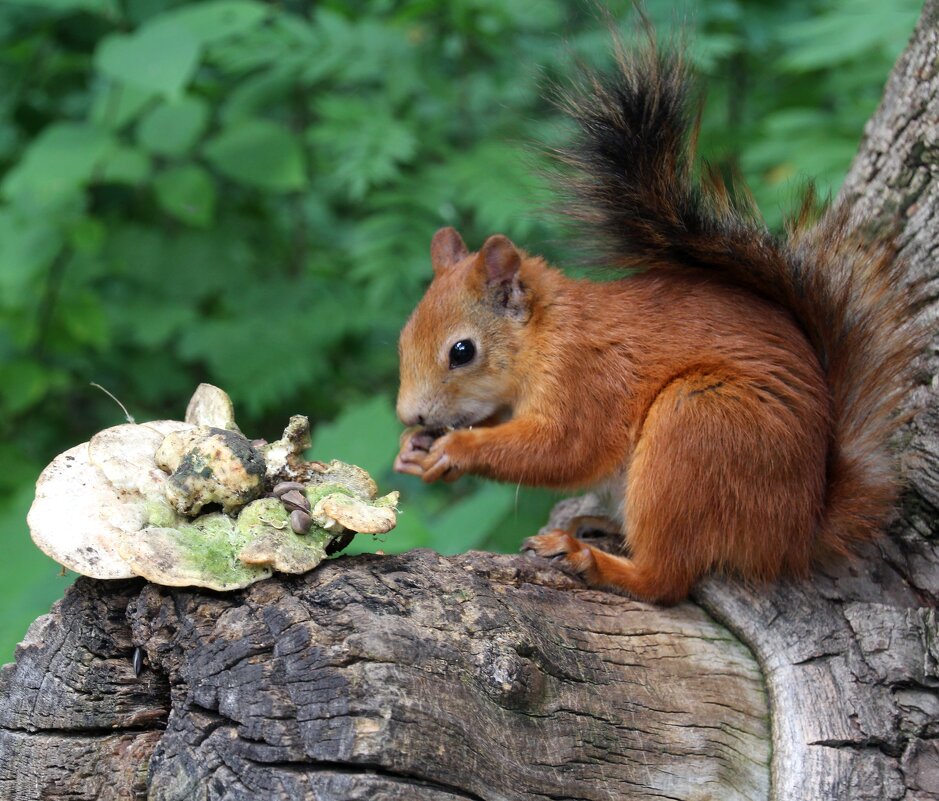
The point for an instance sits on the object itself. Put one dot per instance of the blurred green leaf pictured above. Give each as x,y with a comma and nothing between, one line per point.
59,162
272,348
27,247
108,8
156,330
362,140
126,165
847,32
498,182
187,193
86,235
115,104
365,434
173,127
160,57
29,579
249,98
83,319
258,153
469,522
22,384
210,21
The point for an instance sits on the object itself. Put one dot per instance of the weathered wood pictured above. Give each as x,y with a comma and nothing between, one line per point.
74,720
498,677
412,676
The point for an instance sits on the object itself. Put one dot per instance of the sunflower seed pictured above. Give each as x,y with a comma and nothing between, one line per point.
300,521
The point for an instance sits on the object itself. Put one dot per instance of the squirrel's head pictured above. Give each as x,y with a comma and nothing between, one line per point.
459,346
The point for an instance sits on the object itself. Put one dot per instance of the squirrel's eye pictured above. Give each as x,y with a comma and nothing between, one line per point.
462,353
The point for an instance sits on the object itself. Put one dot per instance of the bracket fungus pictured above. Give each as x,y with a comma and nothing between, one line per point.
195,503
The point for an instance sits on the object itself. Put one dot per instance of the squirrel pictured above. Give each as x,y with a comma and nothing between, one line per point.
735,395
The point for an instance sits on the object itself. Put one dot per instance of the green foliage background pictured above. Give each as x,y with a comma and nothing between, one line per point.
244,192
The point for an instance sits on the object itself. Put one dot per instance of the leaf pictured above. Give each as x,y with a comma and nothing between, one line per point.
28,245
160,57
497,182
82,318
360,50
212,21
126,165
9,140
706,51
173,127
61,160
187,193
116,104
179,269
362,141
86,235
468,523
365,434
841,35
260,154
284,42
106,8
22,385
150,329
258,92
29,579
275,343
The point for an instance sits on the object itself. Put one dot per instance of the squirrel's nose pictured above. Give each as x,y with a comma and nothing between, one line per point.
409,417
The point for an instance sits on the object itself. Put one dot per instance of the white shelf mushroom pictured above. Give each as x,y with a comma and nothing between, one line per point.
126,503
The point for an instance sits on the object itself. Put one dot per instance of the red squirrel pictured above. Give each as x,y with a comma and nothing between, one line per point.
736,396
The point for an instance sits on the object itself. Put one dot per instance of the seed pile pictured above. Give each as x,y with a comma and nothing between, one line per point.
297,505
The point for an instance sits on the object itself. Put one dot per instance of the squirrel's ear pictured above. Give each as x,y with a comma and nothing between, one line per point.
446,249
501,259
501,262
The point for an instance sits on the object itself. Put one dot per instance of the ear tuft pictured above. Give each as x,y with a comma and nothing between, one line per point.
501,259
446,249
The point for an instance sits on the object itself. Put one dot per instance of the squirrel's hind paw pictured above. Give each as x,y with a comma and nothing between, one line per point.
565,547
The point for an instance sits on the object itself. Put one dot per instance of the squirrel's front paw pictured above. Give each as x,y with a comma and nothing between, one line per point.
415,445
445,459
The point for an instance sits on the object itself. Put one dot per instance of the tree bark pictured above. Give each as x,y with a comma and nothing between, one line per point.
499,677
403,677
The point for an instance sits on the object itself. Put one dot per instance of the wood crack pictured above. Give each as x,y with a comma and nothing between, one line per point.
373,769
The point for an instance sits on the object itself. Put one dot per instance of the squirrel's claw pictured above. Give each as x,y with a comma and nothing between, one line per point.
439,462
436,466
554,543
403,465
415,445
426,457
565,548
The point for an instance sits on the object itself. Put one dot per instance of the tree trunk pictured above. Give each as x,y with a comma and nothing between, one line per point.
499,677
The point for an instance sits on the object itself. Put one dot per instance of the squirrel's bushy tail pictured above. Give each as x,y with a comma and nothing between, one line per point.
634,183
